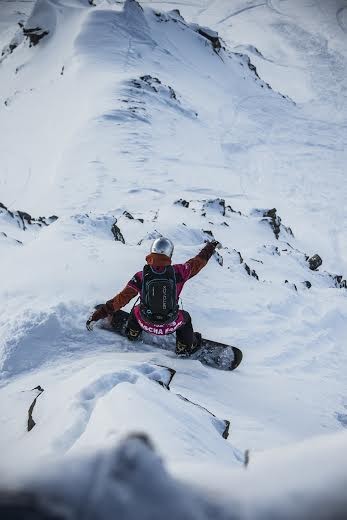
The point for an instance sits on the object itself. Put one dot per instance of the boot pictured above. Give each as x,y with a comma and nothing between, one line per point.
132,334
197,340
184,350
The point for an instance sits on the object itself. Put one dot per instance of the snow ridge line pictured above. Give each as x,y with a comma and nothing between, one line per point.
225,433
88,397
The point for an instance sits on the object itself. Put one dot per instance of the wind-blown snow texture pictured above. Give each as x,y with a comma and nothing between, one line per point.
120,123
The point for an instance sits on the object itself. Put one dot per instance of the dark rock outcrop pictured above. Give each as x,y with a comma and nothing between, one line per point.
270,216
339,282
182,202
24,220
225,422
31,422
34,35
130,217
211,36
218,204
116,232
251,272
314,262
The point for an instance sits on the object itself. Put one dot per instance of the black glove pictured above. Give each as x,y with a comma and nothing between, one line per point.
90,323
216,244
100,313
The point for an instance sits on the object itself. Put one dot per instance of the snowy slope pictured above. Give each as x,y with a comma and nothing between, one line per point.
123,123
299,48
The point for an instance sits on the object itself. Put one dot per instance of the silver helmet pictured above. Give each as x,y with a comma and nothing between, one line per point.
162,246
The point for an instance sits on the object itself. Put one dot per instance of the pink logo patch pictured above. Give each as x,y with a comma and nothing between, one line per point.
159,330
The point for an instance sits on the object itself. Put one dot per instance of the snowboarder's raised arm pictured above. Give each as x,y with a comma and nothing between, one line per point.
200,260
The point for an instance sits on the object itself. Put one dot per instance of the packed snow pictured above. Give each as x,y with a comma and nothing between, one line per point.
124,121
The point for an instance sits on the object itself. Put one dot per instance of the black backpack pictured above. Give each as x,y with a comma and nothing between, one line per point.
159,295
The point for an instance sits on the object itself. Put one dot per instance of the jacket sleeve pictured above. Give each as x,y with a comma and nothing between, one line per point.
201,259
120,300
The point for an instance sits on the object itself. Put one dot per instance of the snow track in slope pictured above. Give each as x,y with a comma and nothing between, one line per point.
243,10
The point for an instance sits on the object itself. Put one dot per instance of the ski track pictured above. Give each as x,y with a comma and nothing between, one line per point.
244,9
271,4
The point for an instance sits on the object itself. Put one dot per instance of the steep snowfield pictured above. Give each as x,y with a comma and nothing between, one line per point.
119,123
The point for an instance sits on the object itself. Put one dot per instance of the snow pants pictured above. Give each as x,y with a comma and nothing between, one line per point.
184,334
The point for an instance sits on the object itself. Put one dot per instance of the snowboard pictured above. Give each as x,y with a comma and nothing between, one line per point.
210,353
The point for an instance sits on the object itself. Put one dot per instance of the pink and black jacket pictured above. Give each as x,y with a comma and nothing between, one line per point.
183,273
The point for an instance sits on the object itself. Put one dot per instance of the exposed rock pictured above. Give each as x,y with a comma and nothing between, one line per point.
216,204
314,262
9,49
225,432
155,85
251,272
240,257
211,36
291,285
258,261
172,373
273,250
130,217
139,91
207,207
31,422
149,80
14,43
182,202
13,240
24,220
218,257
254,69
307,284
339,282
245,60
246,460
270,216
34,35
117,233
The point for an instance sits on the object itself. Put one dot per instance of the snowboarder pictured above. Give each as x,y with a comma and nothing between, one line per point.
159,285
